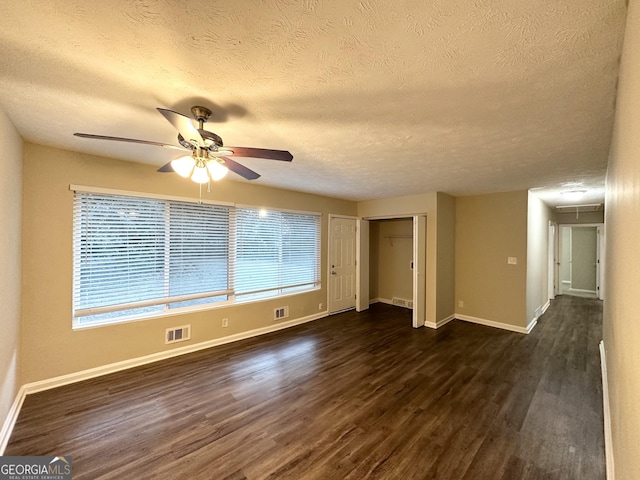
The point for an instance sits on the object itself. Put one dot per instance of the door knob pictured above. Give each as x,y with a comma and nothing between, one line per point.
333,273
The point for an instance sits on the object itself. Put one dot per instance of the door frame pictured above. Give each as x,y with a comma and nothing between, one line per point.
553,261
362,264
600,229
419,314
419,301
601,260
331,217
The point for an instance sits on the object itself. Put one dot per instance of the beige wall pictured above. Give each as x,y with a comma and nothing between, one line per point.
488,229
622,303
399,206
393,246
10,262
49,346
539,216
445,276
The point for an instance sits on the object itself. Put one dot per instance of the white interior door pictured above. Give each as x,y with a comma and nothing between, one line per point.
419,270
342,264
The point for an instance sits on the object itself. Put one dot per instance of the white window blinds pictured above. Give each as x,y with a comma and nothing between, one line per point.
139,257
135,256
276,252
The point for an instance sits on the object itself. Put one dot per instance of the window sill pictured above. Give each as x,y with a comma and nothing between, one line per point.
187,310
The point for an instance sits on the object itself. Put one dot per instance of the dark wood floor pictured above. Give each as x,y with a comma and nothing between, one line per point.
352,396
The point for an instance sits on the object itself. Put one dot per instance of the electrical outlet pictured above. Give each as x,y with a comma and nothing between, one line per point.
225,322
320,306
512,260
460,304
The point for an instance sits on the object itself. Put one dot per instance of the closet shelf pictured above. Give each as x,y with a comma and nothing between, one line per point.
392,237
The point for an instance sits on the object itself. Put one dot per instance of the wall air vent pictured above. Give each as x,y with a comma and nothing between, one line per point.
280,313
177,334
401,302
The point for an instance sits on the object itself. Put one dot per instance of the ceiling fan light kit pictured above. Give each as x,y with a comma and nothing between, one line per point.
200,174
216,170
183,166
209,158
199,167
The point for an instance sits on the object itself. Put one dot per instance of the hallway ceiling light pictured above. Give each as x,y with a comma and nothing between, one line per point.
573,194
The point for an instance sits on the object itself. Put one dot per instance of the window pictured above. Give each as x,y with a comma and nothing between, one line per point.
139,257
276,252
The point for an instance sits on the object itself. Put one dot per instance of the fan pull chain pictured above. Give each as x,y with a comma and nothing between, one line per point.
208,190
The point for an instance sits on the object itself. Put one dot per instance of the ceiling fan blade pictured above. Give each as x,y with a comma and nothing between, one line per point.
184,125
166,168
128,140
241,170
250,152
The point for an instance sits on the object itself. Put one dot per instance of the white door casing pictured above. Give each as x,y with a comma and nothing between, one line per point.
552,270
362,270
601,261
342,264
565,260
419,271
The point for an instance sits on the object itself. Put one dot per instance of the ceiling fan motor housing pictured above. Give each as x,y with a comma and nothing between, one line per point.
211,138
201,114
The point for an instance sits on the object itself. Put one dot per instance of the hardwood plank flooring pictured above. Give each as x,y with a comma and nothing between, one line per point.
352,396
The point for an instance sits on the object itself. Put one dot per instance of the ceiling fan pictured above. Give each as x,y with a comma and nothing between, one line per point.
209,158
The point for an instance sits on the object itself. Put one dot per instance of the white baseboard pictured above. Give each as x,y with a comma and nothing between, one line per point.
154,357
10,421
539,312
388,301
439,323
54,382
608,447
503,326
546,306
582,290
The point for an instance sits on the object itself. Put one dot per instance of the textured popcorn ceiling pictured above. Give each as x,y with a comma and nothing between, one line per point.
374,98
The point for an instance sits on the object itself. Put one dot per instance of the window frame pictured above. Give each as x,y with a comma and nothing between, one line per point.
230,292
